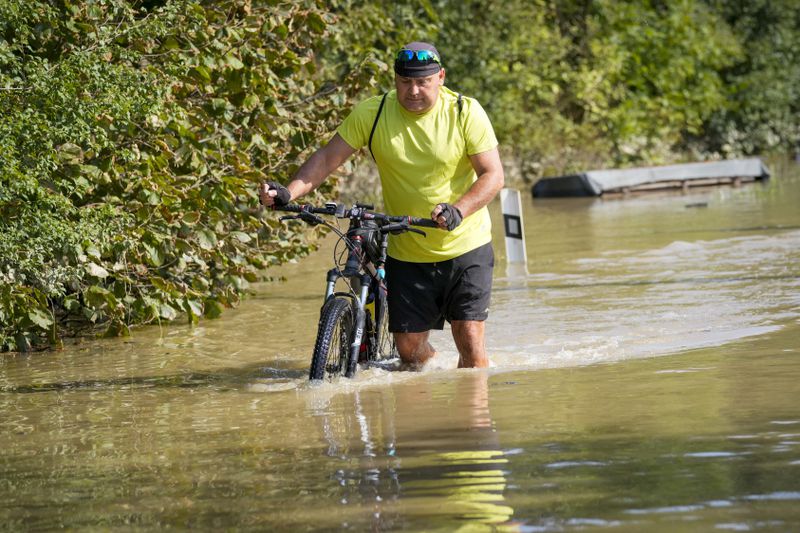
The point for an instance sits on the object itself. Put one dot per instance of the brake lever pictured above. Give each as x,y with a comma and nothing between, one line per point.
305,216
310,218
400,227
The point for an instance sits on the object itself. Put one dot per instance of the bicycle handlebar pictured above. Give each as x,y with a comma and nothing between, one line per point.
359,212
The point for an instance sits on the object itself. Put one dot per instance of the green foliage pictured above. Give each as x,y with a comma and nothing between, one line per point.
523,70
133,134
361,44
581,83
662,80
131,140
763,85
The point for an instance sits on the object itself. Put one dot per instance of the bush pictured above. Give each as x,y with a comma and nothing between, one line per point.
131,140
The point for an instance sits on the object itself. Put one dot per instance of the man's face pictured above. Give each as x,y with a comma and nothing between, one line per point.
418,95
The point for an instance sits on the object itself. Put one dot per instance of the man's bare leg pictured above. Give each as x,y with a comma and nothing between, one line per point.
469,338
414,348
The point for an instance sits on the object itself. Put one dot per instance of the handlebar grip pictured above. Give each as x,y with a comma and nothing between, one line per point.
298,208
424,222
292,208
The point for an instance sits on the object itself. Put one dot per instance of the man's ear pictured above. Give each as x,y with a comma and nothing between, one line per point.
441,77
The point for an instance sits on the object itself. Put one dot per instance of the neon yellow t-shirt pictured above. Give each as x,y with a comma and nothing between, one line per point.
423,161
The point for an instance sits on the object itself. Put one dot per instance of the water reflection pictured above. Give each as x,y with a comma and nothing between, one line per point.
215,426
417,452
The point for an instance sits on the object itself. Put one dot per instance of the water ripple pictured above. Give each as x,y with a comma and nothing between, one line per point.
774,496
666,510
572,464
712,454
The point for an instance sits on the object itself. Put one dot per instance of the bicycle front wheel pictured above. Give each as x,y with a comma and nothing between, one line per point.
334,336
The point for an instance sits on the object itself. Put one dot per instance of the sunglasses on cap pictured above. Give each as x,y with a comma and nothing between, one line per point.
405,55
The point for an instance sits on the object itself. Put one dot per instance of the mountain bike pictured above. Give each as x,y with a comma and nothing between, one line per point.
354,324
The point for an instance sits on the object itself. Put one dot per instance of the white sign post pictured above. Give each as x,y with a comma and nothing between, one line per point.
514,231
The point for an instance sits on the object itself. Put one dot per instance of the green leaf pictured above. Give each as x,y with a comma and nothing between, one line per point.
241,236
71,304
70,153
93,252
207,239
192,217
97,297
96,270
213,309
152,197
316,23
251,101
194,307
92,172
40,318
167,312
233,62
257,140
153,254
170,43
201,73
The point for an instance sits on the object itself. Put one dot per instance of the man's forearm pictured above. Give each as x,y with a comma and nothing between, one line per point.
481,193
319,166
490,180
310,175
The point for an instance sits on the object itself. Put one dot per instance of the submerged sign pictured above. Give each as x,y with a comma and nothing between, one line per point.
511,206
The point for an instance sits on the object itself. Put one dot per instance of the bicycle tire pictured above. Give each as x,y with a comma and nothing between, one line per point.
334,336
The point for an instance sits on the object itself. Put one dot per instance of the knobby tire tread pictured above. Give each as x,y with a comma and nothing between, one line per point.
335,312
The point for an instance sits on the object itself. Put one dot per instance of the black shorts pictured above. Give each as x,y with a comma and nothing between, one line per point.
423,295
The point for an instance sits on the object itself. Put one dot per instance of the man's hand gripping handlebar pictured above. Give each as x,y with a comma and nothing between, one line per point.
273,194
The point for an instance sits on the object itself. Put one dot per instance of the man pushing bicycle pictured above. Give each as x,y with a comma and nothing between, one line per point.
437,156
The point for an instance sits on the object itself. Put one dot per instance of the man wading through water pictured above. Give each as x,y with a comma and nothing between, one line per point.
437,156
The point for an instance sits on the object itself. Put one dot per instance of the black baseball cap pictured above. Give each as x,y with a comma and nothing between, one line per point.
417,60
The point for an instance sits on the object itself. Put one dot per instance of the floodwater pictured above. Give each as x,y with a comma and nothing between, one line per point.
646,378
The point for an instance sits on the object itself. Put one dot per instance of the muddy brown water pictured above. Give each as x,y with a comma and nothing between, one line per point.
646,377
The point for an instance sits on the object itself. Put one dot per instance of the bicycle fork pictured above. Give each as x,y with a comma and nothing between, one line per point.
361,315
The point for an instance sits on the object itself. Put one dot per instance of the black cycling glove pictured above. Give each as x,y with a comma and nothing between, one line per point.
452,216
283,197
